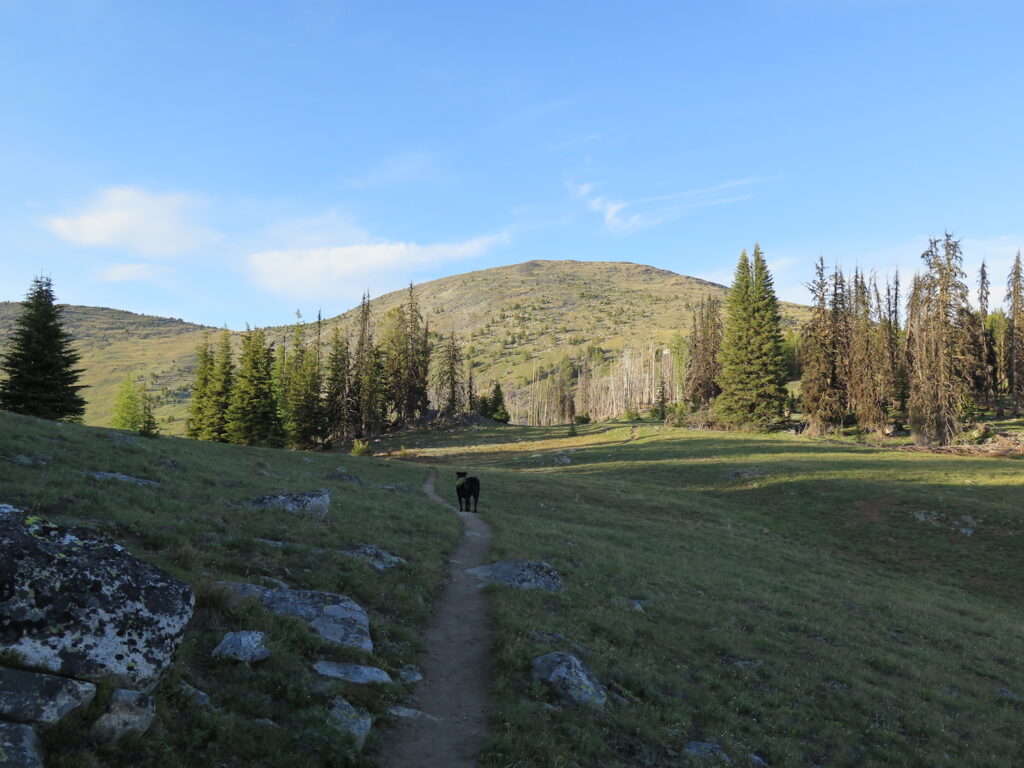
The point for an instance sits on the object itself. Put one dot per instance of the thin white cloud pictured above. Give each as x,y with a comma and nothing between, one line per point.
403,168
623,216
135,220
348,269
132,273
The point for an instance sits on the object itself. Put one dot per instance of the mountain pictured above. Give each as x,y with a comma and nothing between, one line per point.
512,320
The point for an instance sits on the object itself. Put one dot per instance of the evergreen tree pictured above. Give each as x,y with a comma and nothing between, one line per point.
417,360
822,393
39,363
753,377
366,382
865,383
661,401
148,426
252,415
301,393
128,404
702,367
1015,335
448,378
215,427
395,350
196,425
497,404
337,405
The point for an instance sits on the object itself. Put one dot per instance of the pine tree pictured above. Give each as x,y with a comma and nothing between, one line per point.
337,403
865,383
252,415
39,362
448,378
366,382
661,401
702,367
219,398
497,404
395,350
1015,335
148,426
753,377
417,359
196,425
822,393
301,393
128,404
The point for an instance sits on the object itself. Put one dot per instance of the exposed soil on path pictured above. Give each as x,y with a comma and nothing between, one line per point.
456,666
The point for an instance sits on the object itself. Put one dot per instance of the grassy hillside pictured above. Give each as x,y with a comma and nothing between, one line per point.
511,319
794,606
198,526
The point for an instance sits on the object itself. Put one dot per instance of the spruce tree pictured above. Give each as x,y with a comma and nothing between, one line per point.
366,385
300,392
822,393
199,408
128,404
222,375
148,426
448,378
40,377
865,383
252,415
497,404
337,403
1015,335
702,366
417,360
753,377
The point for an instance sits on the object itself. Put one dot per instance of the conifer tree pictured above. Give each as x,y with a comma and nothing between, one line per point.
865,383
40,377
252,415
822,393
148,426
702,367
128,404
497,404
753,373
1015,335
337,405
366,376
448,378
222,376
301,392
395,351
196,425
417,359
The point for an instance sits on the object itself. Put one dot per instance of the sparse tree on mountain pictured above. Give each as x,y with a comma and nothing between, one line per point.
195,426
753,376
702,361
40,377
252,415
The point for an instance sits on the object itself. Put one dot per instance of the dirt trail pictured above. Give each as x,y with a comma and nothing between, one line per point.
456,667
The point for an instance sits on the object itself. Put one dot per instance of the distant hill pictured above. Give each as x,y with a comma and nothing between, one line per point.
511,319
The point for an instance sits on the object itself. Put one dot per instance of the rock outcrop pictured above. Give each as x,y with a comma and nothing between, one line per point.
569,678
122,478
126,711
315,504
75,603
350,720
34,697
245,646
520,574
375,557
352,673
19,746
336,618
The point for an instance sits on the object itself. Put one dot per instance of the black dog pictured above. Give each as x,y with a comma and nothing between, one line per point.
467,488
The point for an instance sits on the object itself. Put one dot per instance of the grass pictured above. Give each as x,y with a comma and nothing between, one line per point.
798,611
197,526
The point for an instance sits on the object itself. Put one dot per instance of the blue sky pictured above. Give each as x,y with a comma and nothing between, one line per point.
231,161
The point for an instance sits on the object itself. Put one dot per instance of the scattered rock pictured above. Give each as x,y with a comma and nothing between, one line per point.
926,516
121,478
410,674
197,697
271,543
76,603
245,646
836,685
34,697
748,664
351,720
569,678
408,713
352,673
19,746
757,761
265,722
378,559
342,475
315,504
743,474
402,487
126,711
708,751
520,574
336,618
1006,693
562,460
967,525
38,460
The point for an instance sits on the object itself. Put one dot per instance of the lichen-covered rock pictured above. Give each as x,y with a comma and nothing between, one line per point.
76,603
336,618
245,646
19,746
708,751
352,673
375,557
520,574
569,678
351,720
34,697
121,478
315,504
126,711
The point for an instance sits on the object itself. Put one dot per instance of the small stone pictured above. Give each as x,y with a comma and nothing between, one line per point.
708,751
271,543
408,713
197,697
315,504
351,720
121,478
19,746
378,559
569,678
757,761
21,460
266,722
33,697
836,685
520,574
352,673
562,460
126,711
246,646
410,674
744,474
342,475
1006,693
275,583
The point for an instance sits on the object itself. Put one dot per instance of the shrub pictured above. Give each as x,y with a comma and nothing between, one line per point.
582,418
361,448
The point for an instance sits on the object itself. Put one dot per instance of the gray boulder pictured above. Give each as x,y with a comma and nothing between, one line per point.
126,711
315,504
352,673
195,696
336,618
76,603
707,751
569,677
19,746
375,557
245,646
520,574
410,674
343,475
34,697
347,718
121,478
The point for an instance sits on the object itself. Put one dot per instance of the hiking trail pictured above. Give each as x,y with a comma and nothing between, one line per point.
456,664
